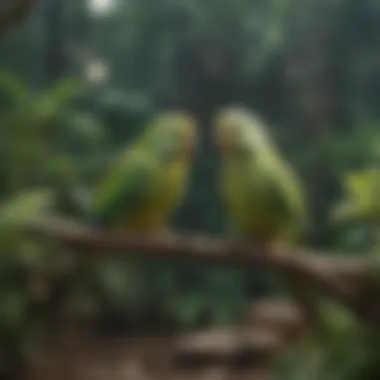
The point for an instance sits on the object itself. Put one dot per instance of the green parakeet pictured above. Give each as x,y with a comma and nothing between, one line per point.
138,195
150,178
262,194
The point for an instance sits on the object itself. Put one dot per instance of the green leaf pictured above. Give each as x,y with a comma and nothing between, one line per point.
87,130
12,309
13,87
56,99
186,309
24,206
337,318
64,169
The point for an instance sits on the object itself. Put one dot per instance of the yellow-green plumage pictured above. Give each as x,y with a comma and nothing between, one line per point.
261,192
264,199
150,179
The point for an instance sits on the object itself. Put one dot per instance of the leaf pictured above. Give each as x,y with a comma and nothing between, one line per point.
360,184
14,88
362,201
345,211
121,283
186,309
65,90
64,169
13,305
54,100
24,206
85,129
336,317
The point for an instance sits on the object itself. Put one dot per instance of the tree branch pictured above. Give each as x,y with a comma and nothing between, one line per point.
17,13
334,277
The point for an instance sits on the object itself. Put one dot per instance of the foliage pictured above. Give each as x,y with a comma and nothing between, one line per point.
348,350
362,190
34,170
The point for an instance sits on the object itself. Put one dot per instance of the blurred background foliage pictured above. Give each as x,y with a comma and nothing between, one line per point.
80,78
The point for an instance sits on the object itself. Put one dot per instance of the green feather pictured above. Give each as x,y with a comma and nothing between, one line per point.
126,188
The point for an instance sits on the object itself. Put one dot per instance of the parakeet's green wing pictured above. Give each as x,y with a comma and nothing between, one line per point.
284,194
126,188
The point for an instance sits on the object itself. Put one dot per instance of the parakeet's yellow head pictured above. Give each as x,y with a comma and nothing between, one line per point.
173,134
237,130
